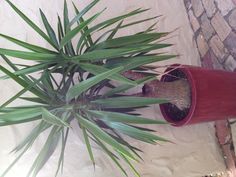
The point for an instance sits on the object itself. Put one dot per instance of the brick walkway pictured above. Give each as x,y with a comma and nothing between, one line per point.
214,26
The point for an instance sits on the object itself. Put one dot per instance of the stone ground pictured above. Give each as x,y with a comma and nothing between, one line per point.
214,25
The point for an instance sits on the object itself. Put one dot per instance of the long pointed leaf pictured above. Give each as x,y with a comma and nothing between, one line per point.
129,40
87,142
19,94
25,84
97,55
124,118
45,153
80,15
120,26
111,36
63,146
68,37
136,133
15,161
29,55
33,69
88,39
96,69
66,17
52,119
131,166
134,62
59,29
127,102
30,23
79,88
99,133
107,23
32,47
125,87
49,29
109,153
20,116
32,136
12,65
34,99
69,47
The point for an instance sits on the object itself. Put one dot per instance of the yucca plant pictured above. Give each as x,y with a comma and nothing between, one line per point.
92,87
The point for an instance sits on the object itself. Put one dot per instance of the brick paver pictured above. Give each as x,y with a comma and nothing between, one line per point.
230,63
197,7
225,6
206,27
230,43
232,19
220,25
218,48
202,45
194,22
210,7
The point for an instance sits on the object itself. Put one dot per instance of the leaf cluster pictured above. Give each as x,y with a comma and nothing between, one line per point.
86,91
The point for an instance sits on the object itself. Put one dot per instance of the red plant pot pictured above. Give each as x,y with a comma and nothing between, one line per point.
213,95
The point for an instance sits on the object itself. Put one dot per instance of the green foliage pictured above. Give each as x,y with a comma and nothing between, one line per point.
91,98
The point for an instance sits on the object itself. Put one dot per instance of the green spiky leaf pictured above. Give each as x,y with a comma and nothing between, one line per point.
29,55
32,47
20,116
79,88
127,102
49,29
124,118
95,130
31,23
52,119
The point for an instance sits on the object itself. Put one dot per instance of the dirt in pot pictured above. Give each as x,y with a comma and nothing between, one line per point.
175,113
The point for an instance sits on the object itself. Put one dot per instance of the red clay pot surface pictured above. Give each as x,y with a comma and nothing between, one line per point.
213,95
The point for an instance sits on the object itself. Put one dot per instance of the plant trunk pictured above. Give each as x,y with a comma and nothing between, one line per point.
176,92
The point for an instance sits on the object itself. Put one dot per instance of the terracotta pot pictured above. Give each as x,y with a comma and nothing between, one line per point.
213,95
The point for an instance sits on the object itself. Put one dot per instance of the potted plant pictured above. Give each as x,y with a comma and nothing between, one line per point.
196,94
92,88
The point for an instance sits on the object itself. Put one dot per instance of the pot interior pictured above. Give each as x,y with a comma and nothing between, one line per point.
172,113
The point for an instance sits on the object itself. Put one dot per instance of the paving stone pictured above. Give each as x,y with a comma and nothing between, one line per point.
206,27
193,20
210,7
210,61
230,63
218,48
216,63
197,7
225,6
207,61
230,43
188,4
221,26
202,45
234,1
232,19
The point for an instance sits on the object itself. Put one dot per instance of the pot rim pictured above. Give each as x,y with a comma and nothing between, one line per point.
189,76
